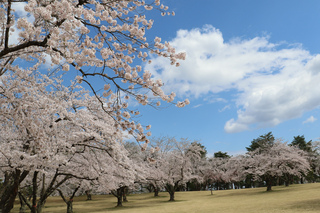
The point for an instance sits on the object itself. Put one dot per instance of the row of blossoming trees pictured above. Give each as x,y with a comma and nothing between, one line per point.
183,165
268,162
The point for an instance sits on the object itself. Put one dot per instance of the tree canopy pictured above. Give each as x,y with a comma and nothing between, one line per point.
262,142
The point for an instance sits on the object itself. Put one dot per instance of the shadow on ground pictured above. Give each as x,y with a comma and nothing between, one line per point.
307,205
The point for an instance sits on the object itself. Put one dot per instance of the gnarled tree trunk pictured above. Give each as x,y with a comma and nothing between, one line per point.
10,188
88,193
171,190
269,183
119,195
69,201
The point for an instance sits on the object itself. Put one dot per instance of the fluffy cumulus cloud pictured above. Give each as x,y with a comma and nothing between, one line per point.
273,83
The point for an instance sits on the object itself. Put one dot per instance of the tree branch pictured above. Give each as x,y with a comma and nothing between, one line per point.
6,41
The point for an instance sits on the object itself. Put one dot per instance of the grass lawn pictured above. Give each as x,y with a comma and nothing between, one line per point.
292,199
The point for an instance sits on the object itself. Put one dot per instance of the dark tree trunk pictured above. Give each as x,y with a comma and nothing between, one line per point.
171,196
88,193
171,190
301,180
286,179
269,187
70,201
150,188
291,179
269,183
119,195
10,190
34,190
22,204
70,206
210,185
156,191
119,202
125,191
39,208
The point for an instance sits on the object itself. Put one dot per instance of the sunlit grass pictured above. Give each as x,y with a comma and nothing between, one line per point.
292,199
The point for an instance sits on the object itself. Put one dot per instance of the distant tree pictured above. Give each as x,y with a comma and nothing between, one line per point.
276,161
300,142
262,142
235,170
315,160
221,155
195,184
175,162
213,172
203,152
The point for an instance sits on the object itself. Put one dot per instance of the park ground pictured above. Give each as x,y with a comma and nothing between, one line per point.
293,199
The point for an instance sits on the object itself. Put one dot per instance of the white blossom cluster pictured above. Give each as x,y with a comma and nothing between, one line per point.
95,38
53,129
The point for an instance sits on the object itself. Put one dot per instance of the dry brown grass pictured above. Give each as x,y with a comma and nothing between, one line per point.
292,199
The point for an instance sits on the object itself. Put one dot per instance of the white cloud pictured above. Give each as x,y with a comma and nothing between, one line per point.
272,83
311,119
211,99
225,108
196,106
20,13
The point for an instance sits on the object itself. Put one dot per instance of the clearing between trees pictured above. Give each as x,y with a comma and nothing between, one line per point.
292,199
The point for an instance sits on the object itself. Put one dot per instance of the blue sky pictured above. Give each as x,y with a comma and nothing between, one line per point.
252,67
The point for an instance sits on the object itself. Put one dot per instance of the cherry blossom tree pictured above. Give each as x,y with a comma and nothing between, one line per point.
235,170
95,38
175,162
213,172
276,161
61,133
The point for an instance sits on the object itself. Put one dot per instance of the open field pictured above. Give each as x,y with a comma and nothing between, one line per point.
292,199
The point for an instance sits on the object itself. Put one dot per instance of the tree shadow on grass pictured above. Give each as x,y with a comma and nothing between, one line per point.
124,207
151,202
307,205
249,192
234,193
175,201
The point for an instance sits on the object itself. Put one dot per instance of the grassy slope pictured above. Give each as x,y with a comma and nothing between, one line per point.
292,199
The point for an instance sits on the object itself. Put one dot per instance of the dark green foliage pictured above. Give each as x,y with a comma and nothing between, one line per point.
300,142
262,142
195,185
221,155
